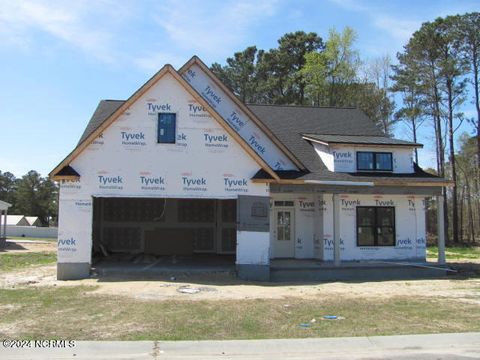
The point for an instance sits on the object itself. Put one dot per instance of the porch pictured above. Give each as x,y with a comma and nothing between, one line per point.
284,270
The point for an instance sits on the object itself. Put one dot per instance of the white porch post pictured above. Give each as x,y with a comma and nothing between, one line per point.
318,228
5,223
336,230
440,231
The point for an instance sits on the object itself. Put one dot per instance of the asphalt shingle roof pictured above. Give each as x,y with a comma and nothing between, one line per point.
360,139
104,109
290,123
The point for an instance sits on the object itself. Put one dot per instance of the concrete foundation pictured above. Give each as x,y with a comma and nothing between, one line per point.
73,271
297,271
253,272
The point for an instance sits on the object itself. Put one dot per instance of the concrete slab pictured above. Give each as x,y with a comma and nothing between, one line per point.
315,270
163,265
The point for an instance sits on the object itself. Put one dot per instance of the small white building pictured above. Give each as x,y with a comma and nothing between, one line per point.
183,167
33,220
17,220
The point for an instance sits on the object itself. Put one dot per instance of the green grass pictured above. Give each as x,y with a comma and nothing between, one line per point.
14,261
456,253
74,313
31,238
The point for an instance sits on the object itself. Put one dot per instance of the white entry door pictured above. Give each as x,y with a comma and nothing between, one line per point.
284,234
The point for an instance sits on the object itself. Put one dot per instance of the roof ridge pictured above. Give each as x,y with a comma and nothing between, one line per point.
305,106
359,135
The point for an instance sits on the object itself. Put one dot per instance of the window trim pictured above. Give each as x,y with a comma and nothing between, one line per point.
375,240
374,153
158,128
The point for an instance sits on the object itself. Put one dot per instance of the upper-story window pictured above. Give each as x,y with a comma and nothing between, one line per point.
374,161
167,126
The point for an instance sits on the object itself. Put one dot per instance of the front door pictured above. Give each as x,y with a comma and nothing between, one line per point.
284,242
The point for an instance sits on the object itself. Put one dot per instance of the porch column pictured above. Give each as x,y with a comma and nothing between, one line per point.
3,235
336,230
3,223
440,231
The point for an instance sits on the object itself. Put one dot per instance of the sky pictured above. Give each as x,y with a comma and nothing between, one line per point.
58,59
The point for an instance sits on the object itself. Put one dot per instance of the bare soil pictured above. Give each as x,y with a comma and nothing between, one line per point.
224,287
464,287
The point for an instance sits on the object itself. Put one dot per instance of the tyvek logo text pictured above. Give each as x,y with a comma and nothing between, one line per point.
152,183
110,182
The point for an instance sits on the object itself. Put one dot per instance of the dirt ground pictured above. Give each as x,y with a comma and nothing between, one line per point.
224,287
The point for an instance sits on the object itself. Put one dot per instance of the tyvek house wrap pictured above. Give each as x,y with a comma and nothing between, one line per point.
237,119
127,161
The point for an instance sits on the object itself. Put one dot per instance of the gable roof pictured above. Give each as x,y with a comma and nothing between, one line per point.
358,140
31,219
16,219
270,134
102,121
292,128
290,123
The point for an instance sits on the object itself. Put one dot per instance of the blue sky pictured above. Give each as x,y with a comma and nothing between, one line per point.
59,58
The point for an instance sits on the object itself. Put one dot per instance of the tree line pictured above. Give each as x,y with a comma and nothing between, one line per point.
30,195
435,74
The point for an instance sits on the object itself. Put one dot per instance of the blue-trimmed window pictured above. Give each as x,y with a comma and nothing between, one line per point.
167,126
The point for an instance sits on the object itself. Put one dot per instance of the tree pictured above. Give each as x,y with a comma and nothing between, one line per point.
468,34
332,71
240,73
8,187
290,59
378,72
468,183
452,73
419,59
406,83
37,196
270,77
333,79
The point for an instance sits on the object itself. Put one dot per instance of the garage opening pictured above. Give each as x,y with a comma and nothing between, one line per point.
130,228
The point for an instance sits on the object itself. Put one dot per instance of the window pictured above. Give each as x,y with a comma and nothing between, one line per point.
374,161
283,203
375,226
166,128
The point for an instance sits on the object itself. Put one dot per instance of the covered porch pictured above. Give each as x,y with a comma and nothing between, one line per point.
327,240
314,270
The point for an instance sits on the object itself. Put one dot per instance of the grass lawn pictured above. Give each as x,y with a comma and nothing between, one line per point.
14,261
31,238
456,253
73,313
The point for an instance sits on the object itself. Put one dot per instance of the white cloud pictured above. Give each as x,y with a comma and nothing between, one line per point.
397,27
154,62
69,21
212,28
